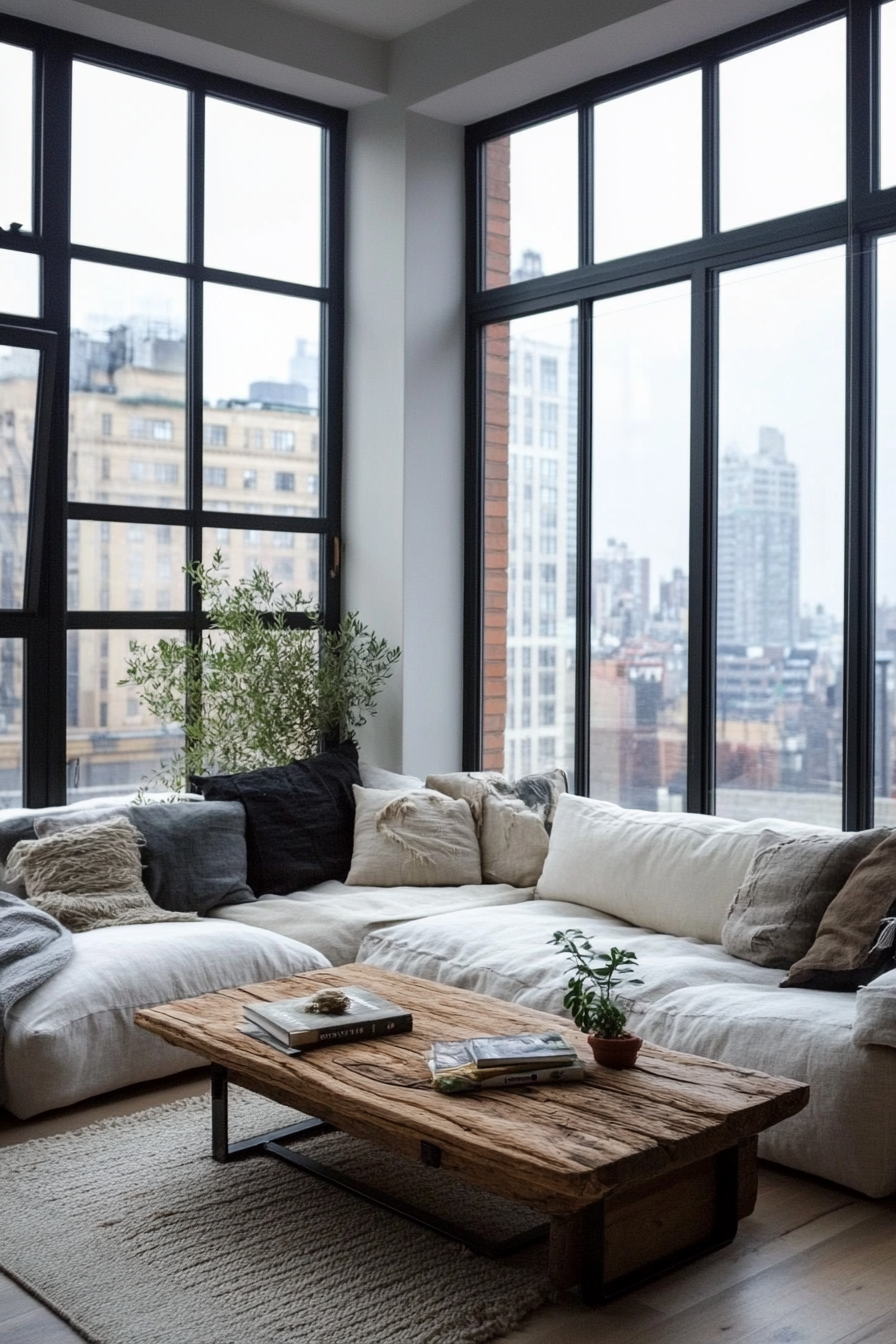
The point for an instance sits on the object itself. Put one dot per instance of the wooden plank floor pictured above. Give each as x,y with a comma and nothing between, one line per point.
815,1264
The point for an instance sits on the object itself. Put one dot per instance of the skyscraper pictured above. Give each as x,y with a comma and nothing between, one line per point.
759,545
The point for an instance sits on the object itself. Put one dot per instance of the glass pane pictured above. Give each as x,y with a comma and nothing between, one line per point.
530,487
885,640
19,371
782,112
291,558
125,566
648,150
129,163
11,687
532,202
888,94
128,385
261,432
639,562
780,561
113,744
19,283
262,193
16,136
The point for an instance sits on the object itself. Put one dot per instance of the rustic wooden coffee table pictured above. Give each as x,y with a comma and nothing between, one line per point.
638,1170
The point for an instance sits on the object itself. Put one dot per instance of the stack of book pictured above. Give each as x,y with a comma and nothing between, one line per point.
288,1026
503,1061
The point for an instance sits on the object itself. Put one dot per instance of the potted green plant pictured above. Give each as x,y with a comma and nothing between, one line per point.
589,997
265,684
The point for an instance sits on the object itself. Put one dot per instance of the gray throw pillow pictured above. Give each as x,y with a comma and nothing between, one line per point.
194,857
789,885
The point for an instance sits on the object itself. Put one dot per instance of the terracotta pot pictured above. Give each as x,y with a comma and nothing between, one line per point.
616,1052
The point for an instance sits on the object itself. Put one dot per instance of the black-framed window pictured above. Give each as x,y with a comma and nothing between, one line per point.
686,516
171,244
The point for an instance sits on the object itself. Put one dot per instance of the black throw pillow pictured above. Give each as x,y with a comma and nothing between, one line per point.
300,818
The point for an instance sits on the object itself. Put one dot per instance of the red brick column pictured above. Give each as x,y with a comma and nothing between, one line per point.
496,420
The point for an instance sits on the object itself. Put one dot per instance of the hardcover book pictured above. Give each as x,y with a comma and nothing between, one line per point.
368,1014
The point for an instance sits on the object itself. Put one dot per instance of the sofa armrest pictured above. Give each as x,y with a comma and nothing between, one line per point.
875,1022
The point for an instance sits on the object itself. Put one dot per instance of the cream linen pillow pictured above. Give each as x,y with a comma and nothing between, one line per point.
413,838
513,819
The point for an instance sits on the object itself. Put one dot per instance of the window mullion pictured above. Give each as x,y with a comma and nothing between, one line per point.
584,474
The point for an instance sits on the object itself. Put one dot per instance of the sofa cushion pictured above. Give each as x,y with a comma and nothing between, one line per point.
851,948
299,818
336,918
697,999
675,872
414,837
194,857
74,1036
89,877
513,819
790,884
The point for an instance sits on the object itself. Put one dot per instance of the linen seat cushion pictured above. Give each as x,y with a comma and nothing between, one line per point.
74,1036
697,999
675,872
416,837
336,918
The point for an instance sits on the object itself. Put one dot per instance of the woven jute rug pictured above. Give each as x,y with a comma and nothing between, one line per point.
131,1232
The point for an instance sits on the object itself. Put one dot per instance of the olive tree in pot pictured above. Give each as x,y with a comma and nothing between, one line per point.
589,997
265,684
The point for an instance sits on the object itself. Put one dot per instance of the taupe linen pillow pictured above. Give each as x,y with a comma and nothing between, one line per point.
513,819
88,877
854,940
413,838
778,907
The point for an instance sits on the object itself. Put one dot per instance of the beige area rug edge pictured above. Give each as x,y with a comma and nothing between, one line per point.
408,1286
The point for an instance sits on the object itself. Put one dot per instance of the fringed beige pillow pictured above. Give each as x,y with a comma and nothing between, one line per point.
88,877
413,838
513,819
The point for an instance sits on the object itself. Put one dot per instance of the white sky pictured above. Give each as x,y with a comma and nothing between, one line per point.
888,94
16,102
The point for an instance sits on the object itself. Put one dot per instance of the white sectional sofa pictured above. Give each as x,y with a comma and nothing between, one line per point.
660,884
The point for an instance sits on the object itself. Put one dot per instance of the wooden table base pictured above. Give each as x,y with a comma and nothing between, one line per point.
608,1248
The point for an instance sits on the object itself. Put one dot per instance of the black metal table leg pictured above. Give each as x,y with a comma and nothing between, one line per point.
225,1151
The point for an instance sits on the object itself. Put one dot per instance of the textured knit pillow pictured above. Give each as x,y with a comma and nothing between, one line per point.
513,819
416,838
789,885
88,877
299,818
194,857
856,937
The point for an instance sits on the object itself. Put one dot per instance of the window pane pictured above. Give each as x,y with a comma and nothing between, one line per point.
291,558
19,371
261,432
113,744
19,283
532,202
639,563
125,567
885,640
780,560
128,387
782,113
262,193
888,94
11,679
530,487
16,136
129,163
648,153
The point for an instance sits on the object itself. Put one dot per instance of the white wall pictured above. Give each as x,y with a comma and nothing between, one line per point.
404,424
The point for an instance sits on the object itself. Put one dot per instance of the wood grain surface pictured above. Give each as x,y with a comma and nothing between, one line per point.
555,1148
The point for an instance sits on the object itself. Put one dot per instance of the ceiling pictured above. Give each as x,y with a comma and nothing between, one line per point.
375,18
